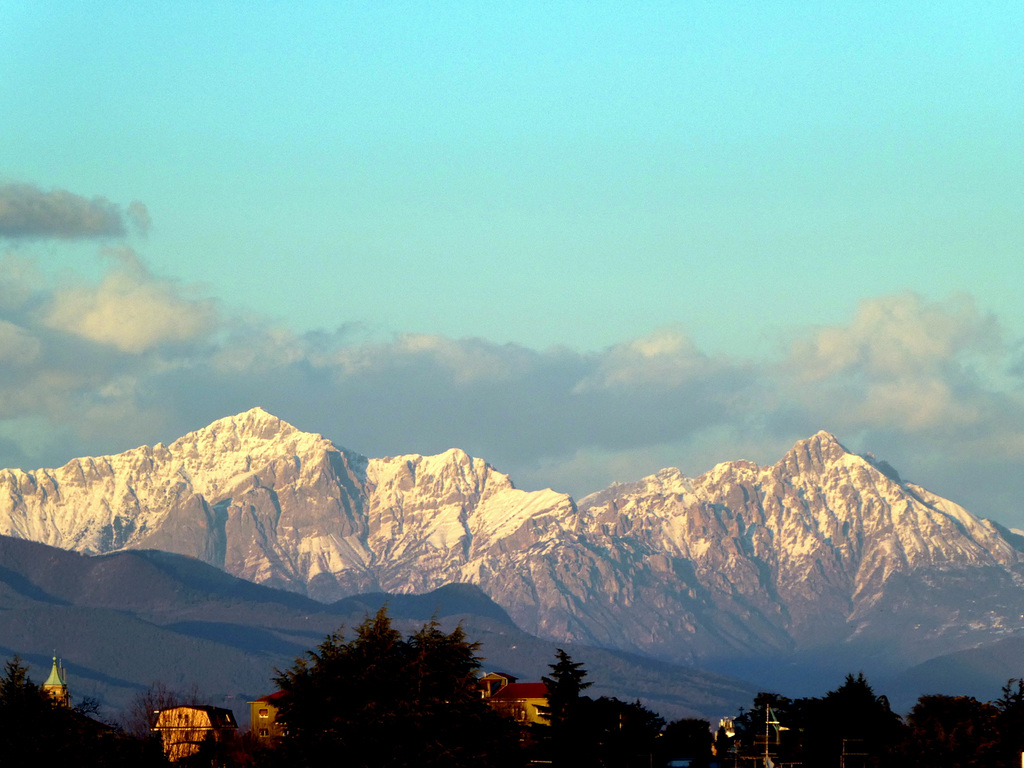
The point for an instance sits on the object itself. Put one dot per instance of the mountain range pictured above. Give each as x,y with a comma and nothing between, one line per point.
823,560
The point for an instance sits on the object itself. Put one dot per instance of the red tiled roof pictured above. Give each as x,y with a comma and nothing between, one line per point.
522,691
271,696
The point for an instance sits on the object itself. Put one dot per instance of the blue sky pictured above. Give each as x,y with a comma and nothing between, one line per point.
580,240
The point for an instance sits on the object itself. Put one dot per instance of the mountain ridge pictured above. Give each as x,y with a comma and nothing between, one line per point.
815,551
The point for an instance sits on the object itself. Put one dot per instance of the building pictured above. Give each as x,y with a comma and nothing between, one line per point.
493,682
263,717
56,685
523,702
185,729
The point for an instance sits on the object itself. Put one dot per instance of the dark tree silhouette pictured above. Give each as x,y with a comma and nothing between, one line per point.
759,730
35,730
950,732
851,725
687,738
1009,724
617,733
381,700
564,687
565,739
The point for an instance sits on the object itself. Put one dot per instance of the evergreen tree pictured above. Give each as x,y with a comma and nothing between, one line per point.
564,687
618,734
852,725
380,700
690,738
36,731
565,734
950,732
1009,723
759,731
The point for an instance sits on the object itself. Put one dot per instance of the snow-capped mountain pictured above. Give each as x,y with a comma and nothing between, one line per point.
824,547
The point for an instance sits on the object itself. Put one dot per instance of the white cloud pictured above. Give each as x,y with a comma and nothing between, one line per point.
135,359
897,336
130,310
902,363
665,359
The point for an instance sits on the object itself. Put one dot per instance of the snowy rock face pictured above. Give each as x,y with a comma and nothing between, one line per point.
824,547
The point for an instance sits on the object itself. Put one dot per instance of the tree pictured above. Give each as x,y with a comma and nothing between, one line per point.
27,715
564,735
381,700
564,687
36,730
759,731
617,733
852,725
688,737
1009,723
139,717
950,732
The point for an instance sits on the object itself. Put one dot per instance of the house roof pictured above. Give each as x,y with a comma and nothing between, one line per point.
499,675
270,697
522,691
218,716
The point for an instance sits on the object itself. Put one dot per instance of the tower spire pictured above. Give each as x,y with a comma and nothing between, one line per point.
56,684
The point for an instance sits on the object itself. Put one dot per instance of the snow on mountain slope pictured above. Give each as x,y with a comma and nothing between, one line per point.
824,547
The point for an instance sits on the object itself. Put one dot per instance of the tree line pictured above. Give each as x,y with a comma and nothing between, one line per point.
379,699
852,727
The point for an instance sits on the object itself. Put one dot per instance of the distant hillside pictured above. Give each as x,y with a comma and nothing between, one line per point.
978,672
126,620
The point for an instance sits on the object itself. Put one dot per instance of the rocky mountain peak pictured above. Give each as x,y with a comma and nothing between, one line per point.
242,444
254,424
814,455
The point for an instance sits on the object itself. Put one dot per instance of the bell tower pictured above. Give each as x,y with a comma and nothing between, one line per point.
56,686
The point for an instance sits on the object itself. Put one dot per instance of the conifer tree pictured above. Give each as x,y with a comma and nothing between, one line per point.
950,732
35,730
564,687
383,700
1010,723
565,733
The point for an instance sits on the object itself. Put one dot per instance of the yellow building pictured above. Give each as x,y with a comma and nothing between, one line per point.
263,717
493,682
185,729
523,702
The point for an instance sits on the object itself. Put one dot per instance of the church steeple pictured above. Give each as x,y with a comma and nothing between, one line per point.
56,685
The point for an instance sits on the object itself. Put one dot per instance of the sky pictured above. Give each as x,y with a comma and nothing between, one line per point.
583,241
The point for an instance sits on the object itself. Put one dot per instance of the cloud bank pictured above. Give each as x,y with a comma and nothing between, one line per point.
135,358
934,387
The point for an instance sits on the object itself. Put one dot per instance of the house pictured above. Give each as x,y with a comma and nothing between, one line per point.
493,682
186,728
263,717
56,685
523,702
